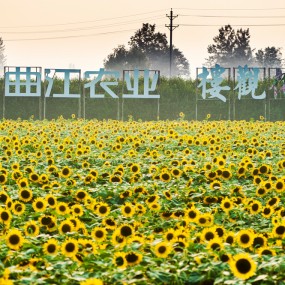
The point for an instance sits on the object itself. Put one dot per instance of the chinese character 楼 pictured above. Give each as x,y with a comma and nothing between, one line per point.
215,90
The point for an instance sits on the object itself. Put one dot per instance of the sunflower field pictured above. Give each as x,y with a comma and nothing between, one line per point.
158,202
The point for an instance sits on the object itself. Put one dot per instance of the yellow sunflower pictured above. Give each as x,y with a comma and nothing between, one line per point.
266,251
165,176
229,237
128,210
216,184
62,208
102,209
126,230
119,260
227,204
162,249
99,234
25,195
109,223
117,239
77,210
279,231
66,227
39,205
65,172
5,216
215,244
92,281
51,200
205,220
242,266
31,229
14,239
208,234
259,241
51,247
135,168
192,214
255,207
133,257
245,238
279,185
23,183
80,195
69,247
18,208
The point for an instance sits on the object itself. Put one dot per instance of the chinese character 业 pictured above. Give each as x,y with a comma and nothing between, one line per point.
147,88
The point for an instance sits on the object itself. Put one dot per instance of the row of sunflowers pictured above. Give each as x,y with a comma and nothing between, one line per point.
166,202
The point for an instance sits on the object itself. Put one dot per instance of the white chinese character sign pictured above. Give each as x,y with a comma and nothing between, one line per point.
104,84
214,86
246,84
23,81
215,82
230,90
148,86
26,82
16,82
66,90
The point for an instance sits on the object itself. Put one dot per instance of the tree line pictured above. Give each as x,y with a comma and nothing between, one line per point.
149,49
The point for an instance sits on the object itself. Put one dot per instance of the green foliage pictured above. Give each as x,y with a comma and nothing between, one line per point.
147,49
270,57
2,56
232,48
176,95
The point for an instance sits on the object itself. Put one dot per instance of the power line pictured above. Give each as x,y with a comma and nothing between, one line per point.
86,28
218,25
82,22
171,27
231,9
220,16
74,36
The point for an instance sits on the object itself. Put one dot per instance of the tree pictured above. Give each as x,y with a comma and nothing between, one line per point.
121,58
147,49
2,56
231,48
270,57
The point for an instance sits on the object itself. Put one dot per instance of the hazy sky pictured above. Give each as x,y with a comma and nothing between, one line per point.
80,34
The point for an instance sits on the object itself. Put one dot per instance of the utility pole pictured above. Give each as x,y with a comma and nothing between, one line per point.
171,27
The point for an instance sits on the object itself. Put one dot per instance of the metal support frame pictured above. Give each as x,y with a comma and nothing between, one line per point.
80,104
8,69
234,97
215,100
231,99
269,88
123,85
84,102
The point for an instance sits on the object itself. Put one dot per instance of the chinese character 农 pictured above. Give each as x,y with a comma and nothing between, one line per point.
105,85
